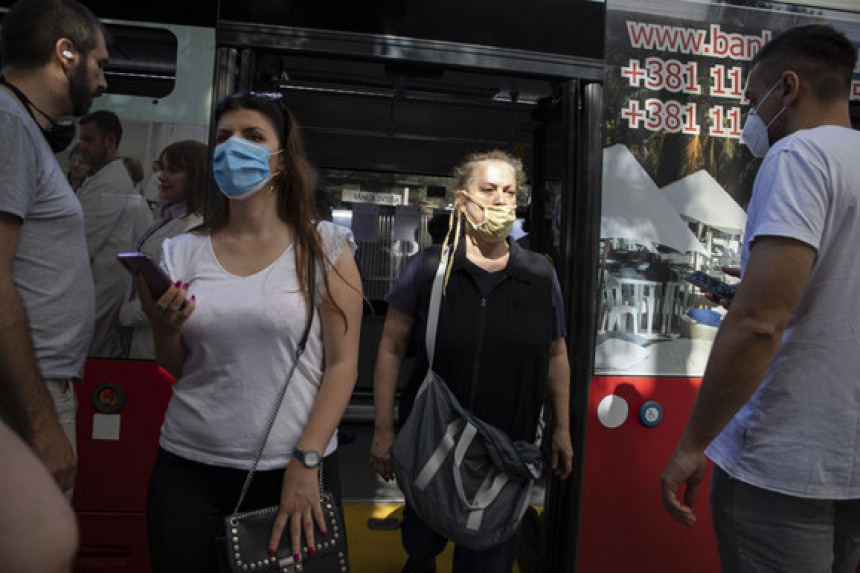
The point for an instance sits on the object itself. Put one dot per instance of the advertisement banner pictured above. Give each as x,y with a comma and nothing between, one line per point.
676,176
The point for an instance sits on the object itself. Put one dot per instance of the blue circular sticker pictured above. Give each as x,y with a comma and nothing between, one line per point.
650,414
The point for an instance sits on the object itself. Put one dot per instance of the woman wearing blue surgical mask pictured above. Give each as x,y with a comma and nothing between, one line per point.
228,330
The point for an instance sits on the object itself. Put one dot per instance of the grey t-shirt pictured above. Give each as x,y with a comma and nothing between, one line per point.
51,270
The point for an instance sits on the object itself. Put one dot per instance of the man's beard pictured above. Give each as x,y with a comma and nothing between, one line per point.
79,92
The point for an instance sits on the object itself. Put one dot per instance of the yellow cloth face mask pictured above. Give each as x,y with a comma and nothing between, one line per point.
498,219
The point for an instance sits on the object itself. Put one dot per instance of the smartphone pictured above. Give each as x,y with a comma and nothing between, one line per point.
711,284
156,278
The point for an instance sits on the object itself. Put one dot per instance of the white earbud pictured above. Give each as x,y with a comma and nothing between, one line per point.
68,54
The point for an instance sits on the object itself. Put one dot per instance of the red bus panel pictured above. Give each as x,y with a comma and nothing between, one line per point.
121,405
623,525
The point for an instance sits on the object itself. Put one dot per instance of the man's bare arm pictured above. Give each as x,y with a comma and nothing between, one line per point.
23,395
746,345
749,337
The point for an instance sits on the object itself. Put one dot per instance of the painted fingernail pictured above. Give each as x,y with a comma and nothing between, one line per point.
177,284
271,551
324,532
193,296
185,286
311,549
295,556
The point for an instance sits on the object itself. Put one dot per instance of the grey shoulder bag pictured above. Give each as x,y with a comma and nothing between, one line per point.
465,478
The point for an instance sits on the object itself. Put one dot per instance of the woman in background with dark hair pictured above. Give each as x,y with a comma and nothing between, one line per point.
182,183
228,330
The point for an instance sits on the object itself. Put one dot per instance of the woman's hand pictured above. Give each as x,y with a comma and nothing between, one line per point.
562,453
300,508
380,453
168,313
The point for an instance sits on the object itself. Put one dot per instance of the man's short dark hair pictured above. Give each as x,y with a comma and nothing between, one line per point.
31,29
107,123
818,53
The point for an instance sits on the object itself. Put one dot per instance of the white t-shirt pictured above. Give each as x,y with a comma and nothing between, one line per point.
800,433
241,341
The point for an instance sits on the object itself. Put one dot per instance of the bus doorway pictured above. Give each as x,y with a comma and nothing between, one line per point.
384,134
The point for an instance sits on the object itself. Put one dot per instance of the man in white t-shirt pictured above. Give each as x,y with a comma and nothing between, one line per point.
778,411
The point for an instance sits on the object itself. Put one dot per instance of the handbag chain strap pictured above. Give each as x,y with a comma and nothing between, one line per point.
300,349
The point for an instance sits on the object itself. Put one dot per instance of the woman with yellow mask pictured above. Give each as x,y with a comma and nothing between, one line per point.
499,345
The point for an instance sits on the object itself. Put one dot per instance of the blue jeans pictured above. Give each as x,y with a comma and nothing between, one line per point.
759,530
422,544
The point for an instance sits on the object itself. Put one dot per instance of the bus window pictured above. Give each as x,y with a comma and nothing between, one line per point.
142,61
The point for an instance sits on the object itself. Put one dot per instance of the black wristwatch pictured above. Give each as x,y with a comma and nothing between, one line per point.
309,458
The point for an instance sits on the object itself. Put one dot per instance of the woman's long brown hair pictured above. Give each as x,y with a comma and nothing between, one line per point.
294,185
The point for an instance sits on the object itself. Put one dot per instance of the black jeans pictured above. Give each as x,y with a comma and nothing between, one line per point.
187,501
422,544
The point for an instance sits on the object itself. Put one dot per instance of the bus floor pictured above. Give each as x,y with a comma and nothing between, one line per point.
373,509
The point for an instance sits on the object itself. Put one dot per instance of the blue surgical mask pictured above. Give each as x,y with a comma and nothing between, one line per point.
755,134
241,167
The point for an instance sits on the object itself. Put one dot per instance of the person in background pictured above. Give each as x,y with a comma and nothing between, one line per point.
54,53
114,216
778,406
78,168
135,172
228,330
501,371
183,182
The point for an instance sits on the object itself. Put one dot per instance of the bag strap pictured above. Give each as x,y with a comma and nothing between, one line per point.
436,303
493,482
300,349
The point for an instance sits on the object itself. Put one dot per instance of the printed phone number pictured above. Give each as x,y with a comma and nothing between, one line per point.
676,117
683,77
676,76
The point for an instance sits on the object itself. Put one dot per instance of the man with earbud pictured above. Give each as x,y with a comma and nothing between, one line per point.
54,53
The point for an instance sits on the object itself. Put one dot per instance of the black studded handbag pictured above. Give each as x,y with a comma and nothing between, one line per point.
246,543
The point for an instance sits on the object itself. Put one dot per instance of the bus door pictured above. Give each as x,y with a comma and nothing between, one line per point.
385,121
